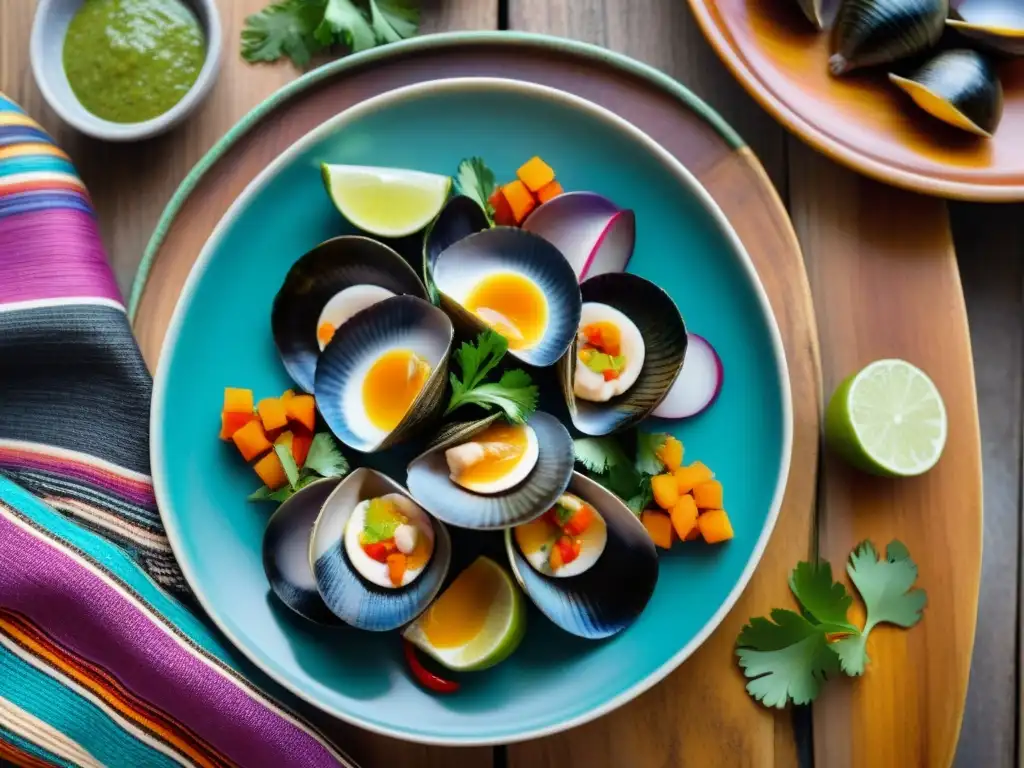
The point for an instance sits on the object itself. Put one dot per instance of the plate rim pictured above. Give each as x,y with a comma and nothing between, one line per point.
843,153
687,179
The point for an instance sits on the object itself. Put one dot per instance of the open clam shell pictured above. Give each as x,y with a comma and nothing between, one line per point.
464,265
286,552
430,484
959,87
401,322
607,597
347,593
996,26
319,278
461,217
664,335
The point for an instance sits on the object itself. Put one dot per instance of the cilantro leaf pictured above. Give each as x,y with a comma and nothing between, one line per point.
394,20
647,446
825,601
642,500
786,661
477,181
514,393
852,653
599,454
343,21
885,585
325,458
291,469
284,28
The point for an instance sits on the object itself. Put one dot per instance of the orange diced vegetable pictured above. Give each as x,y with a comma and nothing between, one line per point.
580,521
232,422
659,526
301,441
237,400
396,568
272,413
684,516
288,393
519,200
671,453
708,495
302,408
693,475
715,526
666,492
271,471
503,215
251,440
694,533
535,174
549,191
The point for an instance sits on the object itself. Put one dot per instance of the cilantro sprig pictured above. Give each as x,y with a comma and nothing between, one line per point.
514,393
324,459
476,181
606,461
300,29
788,657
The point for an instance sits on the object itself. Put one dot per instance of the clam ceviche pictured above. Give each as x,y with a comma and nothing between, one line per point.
416,376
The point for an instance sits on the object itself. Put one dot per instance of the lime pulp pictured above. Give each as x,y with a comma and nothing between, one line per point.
888,419
387,202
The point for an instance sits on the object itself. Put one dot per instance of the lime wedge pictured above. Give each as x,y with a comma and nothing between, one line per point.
476,623
888,419
389,202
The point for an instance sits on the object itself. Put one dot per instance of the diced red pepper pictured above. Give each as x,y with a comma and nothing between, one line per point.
610,374
424,676
379,550
580,521
568,549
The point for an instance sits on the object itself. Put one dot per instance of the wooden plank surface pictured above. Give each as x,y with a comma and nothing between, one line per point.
885,282
990,250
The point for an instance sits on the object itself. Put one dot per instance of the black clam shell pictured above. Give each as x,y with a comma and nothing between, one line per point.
664,333
872,32
461,217
610,595
318,276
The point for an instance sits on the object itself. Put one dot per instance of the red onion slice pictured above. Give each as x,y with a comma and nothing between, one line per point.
698,383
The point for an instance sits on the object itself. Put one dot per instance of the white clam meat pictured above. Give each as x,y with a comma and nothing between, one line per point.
593,385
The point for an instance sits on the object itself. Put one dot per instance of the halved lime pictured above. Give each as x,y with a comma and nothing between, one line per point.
389,202
888,419
476,623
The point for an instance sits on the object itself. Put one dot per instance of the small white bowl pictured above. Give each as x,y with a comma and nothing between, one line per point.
47,54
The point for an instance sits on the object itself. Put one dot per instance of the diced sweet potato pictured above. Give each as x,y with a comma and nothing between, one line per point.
237,400
666,492
684,516
251,440
671,453
232,422
272,413
549,192
302,409
695,474
519,199
659,526
287,394
708,495
503,215
715,526
535,174
271,471
301,441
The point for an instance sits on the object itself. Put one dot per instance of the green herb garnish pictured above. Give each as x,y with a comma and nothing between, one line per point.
788,657
323,460
477,181
514,393
381,522
300,29
607,462
647,446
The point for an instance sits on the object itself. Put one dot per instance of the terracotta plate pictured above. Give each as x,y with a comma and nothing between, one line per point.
861,120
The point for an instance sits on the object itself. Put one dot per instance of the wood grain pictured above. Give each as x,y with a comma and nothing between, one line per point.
860,119
701,715
993,279
885,284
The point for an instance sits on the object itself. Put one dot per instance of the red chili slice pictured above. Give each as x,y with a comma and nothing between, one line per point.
424,676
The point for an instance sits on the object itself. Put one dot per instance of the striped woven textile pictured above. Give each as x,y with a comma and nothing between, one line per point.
102,662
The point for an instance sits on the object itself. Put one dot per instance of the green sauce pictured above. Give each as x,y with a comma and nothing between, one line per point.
132,60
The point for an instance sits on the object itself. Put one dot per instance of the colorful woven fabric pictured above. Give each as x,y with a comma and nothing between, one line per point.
101,662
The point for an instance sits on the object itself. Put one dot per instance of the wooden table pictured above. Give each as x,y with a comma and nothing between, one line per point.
131,184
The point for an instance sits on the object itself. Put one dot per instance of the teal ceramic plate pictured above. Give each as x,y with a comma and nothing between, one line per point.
220,336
